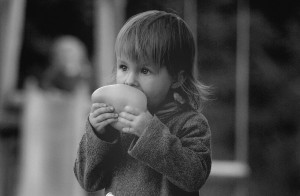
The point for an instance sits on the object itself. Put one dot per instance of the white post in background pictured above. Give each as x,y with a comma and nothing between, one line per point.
120,7
104,39
242,88
190,16
242,81
11,27
108,16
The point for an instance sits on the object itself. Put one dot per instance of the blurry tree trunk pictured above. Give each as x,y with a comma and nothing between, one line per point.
52,126
11,27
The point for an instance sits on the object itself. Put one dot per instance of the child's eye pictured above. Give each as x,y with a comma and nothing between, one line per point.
123,67
145,71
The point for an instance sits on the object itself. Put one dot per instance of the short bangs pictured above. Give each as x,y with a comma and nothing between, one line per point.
158,38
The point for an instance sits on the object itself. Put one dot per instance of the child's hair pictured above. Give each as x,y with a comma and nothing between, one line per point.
163,39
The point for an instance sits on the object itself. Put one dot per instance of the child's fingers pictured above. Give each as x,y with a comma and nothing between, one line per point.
127,116
105,116
95,106
102,110
108,121
124,121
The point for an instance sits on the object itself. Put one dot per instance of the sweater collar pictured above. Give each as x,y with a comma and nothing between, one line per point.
169,107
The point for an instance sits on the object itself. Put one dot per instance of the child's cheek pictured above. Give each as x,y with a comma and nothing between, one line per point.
119,78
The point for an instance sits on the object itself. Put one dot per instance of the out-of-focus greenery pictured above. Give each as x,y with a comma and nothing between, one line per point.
274,145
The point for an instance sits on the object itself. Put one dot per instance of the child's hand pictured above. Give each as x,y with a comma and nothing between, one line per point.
135,120
101,115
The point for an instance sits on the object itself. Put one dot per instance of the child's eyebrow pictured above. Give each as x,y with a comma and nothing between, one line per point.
145,65
151,67
148,66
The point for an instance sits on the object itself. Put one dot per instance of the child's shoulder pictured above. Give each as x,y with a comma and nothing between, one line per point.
188,110
176,114
186,114
186,120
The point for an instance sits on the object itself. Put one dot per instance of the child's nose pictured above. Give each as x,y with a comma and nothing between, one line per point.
131,80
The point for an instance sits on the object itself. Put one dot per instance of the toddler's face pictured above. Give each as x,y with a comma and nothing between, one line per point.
154,82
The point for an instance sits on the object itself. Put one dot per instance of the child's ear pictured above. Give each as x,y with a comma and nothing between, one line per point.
179,80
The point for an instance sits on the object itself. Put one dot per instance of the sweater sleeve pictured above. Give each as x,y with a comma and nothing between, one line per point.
94,160
184,158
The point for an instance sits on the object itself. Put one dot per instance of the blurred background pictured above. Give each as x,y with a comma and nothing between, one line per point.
54,53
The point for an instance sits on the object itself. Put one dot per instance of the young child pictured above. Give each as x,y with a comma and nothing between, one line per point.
165,150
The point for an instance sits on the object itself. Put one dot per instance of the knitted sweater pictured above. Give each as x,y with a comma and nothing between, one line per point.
172,157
